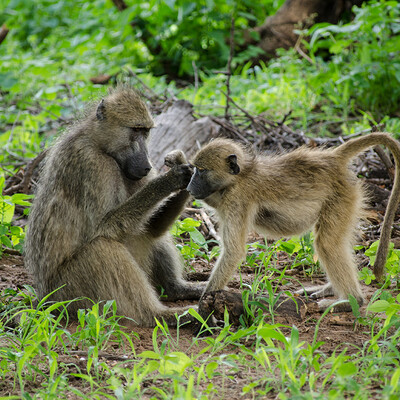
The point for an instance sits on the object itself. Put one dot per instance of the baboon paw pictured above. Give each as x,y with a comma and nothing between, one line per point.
316,292
175,157
319,294
342,307
182,174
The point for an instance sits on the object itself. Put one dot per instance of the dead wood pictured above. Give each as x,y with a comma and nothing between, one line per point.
21,182
101,79
3,33
120,4
278,30
385,160
177,128
377,194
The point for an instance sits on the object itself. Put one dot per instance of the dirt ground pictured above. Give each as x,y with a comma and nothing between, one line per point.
336,330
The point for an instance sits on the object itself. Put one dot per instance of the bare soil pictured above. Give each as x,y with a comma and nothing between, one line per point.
337,330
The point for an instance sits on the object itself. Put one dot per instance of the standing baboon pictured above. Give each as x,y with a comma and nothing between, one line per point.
99,222
290,194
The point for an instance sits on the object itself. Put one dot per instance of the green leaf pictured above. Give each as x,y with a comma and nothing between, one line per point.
189,223
7,80
210,368
20,199
175,362
355,307
347,369
197,237
16,230
6,241
150,354
271,333
6,211
378,306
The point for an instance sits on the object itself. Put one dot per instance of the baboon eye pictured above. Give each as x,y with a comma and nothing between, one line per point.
136,131
200,170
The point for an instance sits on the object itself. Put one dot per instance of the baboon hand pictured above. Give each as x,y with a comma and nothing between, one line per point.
180,176
175,157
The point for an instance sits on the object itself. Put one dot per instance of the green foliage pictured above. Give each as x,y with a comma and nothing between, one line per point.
98,326
364,66
392,266
272,356
303,250
155,35
166,28
197,244
11,236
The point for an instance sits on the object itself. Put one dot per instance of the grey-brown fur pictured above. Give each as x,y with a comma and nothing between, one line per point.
290,194
99,222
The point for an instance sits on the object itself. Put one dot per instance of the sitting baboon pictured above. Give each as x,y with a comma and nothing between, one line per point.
99,222
290,194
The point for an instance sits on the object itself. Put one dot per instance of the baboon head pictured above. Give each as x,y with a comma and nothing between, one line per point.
124,124
216,167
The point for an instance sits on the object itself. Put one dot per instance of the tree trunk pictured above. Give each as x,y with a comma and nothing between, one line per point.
3,33
177,128
278,30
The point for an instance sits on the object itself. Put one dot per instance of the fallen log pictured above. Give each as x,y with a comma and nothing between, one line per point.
177,128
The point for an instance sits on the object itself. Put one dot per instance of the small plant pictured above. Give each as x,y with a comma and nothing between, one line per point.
100,325
392,266
11,236
197,244
359,72
303,250
264,293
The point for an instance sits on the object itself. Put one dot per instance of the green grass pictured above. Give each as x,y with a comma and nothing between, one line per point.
46,64
41,356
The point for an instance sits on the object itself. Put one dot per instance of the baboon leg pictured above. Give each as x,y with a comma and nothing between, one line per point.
333,244
122,279
167,273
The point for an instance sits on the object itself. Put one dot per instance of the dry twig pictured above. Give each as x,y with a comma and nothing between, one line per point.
23,185
229,69
210,225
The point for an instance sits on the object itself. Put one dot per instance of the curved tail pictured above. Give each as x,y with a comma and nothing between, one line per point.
350,149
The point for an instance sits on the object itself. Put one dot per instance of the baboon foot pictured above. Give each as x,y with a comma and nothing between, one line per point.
342,307
185,292
317,292
175,315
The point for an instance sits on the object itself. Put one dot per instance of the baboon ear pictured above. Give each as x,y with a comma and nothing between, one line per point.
233,165
101,111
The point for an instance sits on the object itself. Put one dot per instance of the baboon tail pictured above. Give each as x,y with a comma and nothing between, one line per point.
349,150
